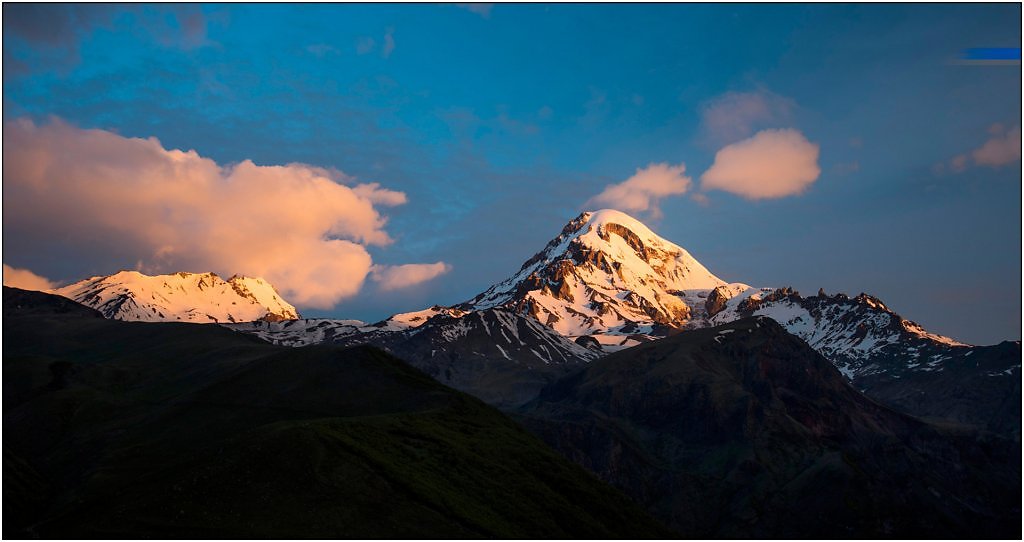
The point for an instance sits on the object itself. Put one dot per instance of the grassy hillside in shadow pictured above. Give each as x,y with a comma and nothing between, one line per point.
118,429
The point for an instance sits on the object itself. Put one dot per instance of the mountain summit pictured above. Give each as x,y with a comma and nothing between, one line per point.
605,283
608,276
181,297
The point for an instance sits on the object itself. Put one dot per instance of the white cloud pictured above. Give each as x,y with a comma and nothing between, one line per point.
772,164
131,200
1003,147
481,9
393,277
644,190
26,280
736,115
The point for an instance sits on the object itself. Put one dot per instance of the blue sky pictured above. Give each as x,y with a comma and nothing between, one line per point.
500,123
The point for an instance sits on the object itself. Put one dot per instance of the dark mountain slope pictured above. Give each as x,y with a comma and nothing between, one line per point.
119,429
744,431
497,355
894,360
979,385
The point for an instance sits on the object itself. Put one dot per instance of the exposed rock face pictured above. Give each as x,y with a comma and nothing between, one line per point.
588,342
716,301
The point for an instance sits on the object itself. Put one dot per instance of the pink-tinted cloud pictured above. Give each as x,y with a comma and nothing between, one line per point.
736,115
300,227
1003,147
394,277
644,190
772,164
846,168
25,279
373,193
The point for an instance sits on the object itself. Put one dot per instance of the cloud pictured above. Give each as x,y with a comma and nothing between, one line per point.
181,26
1003,147
373,193
958,163
595,109
365,45
846,168
513,125
481,9
736,115
49,36
45,36
26,280
772,164
394,277
389,43
321,50
303,228
644,190
55,25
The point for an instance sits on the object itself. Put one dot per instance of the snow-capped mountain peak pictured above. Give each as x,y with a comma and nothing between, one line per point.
180,297
606,275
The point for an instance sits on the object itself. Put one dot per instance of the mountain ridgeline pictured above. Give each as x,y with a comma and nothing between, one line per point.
721,409
607,283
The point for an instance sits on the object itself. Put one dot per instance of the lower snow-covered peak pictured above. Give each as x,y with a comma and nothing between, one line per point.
606,271
415,319
181,297
855,333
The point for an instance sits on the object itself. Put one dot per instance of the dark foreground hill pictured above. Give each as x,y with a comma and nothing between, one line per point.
125,429
744,431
